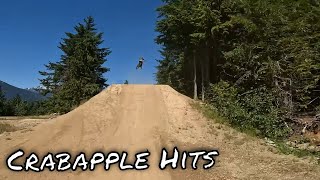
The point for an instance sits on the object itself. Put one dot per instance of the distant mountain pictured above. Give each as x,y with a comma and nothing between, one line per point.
25,94
34,89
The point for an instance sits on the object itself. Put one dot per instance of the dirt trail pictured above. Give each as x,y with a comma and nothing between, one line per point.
135,118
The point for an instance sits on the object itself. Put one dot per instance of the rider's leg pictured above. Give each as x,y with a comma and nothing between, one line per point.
139,65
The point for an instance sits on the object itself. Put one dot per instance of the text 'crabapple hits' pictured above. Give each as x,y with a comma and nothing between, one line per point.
62,161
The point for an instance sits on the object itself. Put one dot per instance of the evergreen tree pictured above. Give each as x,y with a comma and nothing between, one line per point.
2,103
255,48
78,75
18,107
252,44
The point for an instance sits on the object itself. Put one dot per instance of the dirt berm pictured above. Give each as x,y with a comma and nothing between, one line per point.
134,118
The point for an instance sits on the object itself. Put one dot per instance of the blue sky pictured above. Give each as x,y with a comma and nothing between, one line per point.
30,32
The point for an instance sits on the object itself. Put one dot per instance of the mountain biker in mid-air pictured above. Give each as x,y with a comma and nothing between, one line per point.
141,61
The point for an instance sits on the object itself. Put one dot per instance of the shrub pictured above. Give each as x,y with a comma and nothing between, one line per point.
252,111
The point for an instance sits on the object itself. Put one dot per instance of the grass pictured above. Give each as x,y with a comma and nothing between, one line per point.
4,127
212,113
283,148
23,117
286,149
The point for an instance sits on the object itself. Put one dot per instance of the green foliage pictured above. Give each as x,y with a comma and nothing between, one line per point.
210,112
268,51
2,103
169,70
252,111
18,107
78,75
285,149
126,82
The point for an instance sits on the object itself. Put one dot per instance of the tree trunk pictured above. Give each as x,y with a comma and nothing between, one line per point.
202,82
206,71
207,65
195,91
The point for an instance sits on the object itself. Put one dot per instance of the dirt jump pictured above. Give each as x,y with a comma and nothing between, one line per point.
136,118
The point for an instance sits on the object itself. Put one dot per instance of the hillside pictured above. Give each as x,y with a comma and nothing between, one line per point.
133,118
27,95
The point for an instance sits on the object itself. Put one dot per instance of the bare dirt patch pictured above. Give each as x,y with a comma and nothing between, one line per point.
241,156
5,127
22,124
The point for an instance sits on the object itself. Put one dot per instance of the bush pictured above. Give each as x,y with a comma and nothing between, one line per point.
252,111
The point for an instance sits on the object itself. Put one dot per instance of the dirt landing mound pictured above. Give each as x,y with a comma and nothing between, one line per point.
136,118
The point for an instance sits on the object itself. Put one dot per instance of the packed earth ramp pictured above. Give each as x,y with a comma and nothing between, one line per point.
136,118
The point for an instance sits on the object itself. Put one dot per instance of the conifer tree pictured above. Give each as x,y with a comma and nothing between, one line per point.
2,103
78,75
247,48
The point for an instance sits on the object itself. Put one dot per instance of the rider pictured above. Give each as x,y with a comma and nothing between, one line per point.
141,61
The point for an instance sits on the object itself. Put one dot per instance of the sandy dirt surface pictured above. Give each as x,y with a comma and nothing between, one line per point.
136,118
23,124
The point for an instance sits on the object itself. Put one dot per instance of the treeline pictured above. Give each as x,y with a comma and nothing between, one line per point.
19,107
257,62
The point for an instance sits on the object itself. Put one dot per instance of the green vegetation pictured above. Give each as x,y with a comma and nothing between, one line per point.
285,149
2,102
18,107
255,62
253,112
78,75
212,112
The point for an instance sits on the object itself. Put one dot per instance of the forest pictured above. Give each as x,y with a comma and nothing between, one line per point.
254,62
18,107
